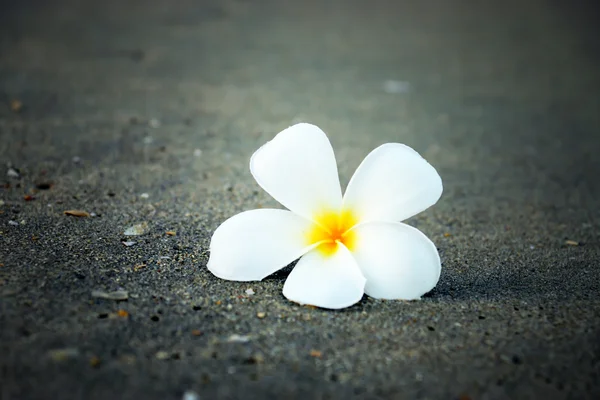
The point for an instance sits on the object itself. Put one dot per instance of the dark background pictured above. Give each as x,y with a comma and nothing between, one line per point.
146,112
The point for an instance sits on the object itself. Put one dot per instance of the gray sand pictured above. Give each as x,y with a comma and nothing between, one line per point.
102,103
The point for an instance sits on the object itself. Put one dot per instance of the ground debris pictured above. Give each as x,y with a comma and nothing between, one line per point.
77,213
128,243
13,173
235,338
571,243
118,295
190,395
316,353
16,105
249,291
63,354
136,230
95,362
171,233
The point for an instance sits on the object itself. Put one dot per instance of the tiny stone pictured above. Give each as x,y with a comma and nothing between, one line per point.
13,223
162,355
128,243
136,230
148,140
144,195
116,295
197,153
261,314
235,338
12,173
154,123
396,87
249,291
76,159
190,395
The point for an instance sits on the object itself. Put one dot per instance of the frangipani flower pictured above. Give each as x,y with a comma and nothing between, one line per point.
348,245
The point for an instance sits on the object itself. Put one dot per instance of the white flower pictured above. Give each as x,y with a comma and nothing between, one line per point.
348,245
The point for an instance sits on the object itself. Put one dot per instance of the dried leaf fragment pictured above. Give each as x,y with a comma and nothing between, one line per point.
316,353
63,354
77,213
16,105
171,233
94,361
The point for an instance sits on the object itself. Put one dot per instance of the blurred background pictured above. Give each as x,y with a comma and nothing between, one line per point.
147,112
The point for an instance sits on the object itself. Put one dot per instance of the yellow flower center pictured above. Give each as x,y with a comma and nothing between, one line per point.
332,228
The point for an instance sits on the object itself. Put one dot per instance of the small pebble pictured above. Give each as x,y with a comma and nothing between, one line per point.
261,314
128,243
154,123
148,140
162,355
197,153
76,213
144,195
13,173
118,295
136,230
76,160
396,87
190,395
249,291
235,338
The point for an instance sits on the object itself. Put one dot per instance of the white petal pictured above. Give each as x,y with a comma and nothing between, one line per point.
328,281
252,245
391,184
399,261
298,169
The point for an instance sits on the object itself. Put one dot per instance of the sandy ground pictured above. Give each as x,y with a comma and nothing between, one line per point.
146,112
